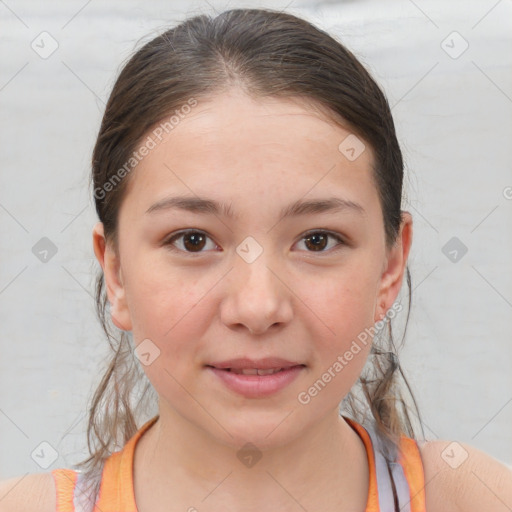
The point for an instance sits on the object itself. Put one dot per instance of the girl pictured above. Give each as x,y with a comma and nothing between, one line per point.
248,183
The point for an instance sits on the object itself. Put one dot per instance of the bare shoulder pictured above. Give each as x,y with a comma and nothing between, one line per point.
461,478
34,492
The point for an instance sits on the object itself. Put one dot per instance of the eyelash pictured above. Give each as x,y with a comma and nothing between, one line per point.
169,241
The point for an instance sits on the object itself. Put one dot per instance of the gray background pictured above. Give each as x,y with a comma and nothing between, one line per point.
454,120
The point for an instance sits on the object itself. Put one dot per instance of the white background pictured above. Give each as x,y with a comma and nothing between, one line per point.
454,121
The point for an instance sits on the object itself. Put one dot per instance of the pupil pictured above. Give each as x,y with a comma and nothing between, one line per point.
196,239
317,238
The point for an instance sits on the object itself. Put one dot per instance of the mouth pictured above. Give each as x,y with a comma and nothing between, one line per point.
255,371
256,382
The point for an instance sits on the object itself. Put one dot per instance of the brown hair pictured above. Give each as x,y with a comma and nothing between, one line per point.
267,54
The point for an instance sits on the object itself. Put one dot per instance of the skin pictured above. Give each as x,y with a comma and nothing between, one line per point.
292,302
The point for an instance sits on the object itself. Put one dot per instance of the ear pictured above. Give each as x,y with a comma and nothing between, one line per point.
394,268
111,265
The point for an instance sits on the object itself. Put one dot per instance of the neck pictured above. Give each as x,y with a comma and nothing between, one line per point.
178,464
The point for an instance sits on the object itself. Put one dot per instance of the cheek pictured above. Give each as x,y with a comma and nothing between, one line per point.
168,307
343,302
340,326
170,314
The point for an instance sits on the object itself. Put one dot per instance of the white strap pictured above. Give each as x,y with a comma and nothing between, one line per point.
86,492
384,489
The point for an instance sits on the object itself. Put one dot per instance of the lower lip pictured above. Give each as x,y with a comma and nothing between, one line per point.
256,386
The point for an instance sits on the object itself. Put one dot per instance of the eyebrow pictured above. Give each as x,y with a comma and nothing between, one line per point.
212,207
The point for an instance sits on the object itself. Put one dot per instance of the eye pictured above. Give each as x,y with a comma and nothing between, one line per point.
194,240
318,240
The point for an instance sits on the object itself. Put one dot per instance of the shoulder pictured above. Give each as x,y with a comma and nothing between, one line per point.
34,492
461,478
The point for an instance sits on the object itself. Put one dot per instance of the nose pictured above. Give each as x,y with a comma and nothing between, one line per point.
256,297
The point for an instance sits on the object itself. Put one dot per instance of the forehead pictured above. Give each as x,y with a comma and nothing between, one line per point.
246,151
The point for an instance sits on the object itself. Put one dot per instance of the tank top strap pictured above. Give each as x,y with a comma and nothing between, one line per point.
86,492
405,471
74,492
109,489
412,464
65,482
116,491
385,475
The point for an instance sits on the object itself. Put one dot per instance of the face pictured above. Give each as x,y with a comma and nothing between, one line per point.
203,287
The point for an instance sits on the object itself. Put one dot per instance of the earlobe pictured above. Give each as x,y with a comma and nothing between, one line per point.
109,261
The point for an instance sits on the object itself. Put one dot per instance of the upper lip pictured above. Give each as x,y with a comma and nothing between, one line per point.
261,364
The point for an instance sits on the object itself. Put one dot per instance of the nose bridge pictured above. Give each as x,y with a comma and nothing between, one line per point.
257,296
254,268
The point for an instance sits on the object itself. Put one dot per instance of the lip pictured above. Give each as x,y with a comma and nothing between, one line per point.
257,386
262,364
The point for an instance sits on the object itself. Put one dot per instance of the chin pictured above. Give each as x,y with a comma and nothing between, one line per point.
263,430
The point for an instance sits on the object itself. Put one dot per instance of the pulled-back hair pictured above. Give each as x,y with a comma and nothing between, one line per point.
265,53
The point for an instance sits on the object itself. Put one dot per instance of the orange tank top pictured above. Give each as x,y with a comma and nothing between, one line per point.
393,486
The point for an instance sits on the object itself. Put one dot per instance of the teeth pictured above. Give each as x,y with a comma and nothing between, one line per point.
270,371
256,371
